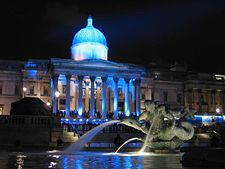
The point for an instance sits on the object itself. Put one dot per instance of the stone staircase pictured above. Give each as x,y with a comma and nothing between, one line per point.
68,137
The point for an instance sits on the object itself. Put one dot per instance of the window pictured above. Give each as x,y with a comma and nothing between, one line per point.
62,101
64,89
165,96
1,109
120,92
142,93
17,90
201,99
32,90
1,89
212,99
45,91
179,98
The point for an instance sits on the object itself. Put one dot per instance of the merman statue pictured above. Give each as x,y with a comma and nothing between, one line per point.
168,128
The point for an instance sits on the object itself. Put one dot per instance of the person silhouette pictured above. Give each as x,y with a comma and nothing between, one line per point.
118,141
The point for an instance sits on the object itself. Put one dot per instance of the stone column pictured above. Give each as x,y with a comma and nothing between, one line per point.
75,94
137,94
115,104
190,98
80,110
223,102
196,99
186,98
104,96
68,94
132,97
200,99
98,97
92,103
127,101
213,99
55,88
38,89
86,96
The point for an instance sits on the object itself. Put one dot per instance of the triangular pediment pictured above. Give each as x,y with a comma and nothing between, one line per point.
91,63
100,63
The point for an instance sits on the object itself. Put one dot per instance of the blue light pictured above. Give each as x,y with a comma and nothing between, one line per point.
29,64
80,111
89,43
81,120
65,162
89,34
31,73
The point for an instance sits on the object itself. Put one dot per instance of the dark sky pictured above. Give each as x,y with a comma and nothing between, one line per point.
191,31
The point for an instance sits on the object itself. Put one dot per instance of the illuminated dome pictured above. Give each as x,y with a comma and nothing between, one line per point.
89,43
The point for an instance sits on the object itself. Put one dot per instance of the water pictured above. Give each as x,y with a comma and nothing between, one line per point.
149,136
89,160
79,144
132,139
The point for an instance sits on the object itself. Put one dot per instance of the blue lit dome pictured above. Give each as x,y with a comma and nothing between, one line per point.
89,43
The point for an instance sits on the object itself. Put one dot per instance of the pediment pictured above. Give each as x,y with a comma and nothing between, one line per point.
98,63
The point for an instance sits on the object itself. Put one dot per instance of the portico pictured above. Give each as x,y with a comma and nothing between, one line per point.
95,85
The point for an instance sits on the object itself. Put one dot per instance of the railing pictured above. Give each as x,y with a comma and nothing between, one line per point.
29,120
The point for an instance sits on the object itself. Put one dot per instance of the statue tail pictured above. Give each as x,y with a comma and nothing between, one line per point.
187,132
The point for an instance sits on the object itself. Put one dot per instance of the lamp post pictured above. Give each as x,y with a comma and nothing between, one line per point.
57,94
24,91
55,106
48,103
218,110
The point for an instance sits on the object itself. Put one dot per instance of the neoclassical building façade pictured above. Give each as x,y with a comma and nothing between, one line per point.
88,82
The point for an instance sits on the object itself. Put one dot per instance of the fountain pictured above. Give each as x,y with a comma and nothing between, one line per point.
165,131
168,129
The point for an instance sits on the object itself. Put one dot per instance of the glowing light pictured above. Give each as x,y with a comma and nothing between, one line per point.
89,43
48,103
57,94
24,89
80,111
218,110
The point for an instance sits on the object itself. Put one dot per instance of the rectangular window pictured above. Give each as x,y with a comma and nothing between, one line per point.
201,100
64,89
179,98
32,90
17,90
1,109
62,102
212,99
45,91
1,89
165,96
143,93
120,92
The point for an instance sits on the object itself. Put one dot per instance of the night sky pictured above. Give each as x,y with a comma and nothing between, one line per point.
136,31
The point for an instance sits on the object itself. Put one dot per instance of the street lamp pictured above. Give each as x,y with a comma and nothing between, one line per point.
218,110
48,103
57,93
24,91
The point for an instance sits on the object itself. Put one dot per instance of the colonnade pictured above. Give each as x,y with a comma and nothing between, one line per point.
103,82
197,98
